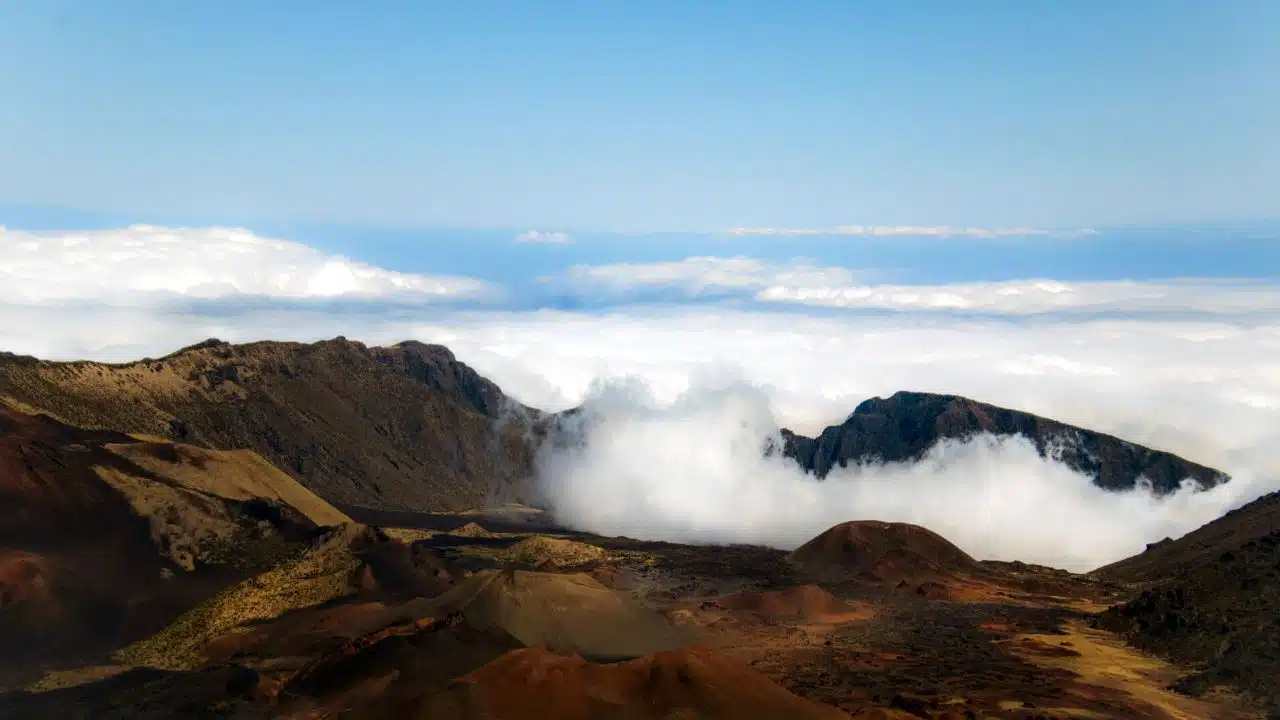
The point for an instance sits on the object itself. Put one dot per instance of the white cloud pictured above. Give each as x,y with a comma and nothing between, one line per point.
691,470
914,231
801,282
544,237
141,262
1024,297
697,275
682,442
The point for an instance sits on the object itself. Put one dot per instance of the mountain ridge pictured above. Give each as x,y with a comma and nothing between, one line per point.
406,426
904,426
409,427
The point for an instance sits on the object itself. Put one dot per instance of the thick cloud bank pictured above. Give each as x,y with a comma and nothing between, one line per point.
692,470
144,263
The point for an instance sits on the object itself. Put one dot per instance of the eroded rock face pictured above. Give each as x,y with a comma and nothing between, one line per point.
907,424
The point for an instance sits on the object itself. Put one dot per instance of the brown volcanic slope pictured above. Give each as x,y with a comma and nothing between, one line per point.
104,538
1211,601
885,553
403,427
693,682
808,602
907,424
1200,547
570,613
383,653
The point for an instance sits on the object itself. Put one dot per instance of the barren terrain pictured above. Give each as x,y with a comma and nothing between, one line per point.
327,530
436,624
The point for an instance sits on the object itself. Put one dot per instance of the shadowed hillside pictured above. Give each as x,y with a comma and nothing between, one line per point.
104,538
1211,601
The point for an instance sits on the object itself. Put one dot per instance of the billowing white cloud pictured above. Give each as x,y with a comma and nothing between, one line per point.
544,237
676,452
913,231
141,262
691,469
698,275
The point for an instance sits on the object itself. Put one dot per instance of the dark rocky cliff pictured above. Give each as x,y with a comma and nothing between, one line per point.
904,426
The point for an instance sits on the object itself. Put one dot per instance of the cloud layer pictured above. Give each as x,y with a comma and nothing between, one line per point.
801,282
695,276
685,396
1026,297
205,263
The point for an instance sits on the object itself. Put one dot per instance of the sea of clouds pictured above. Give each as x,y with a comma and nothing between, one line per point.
681,398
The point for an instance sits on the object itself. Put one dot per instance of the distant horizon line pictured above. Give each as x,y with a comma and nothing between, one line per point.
560,234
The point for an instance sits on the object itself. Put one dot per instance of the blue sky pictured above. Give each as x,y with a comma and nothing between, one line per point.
656,116
1070,207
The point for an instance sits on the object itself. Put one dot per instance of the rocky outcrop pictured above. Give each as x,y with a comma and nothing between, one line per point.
906,425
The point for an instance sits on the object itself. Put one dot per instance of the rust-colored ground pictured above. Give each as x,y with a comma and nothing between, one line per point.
693,682
658,630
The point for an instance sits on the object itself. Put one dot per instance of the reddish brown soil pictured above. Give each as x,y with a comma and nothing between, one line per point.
884,552
305,632
76,563
772,640
376,675
694,682
23,578
568,613
82,573
923,656
878,713
806,602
